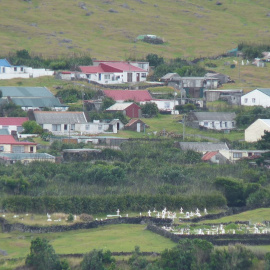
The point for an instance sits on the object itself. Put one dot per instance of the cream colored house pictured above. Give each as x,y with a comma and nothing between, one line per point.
256,130
9,145
235,155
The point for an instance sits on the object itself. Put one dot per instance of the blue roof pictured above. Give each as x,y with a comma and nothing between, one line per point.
4,63
22,156
38,102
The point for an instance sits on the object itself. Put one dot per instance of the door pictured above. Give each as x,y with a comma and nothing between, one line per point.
138,127
129,77
138,77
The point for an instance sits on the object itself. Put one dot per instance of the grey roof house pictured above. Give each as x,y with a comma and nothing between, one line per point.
60,123
211,120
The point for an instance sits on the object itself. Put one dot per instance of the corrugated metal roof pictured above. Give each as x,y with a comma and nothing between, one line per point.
21,156
119,106
215,116
13,121
136,95
266,91
203,146
60,117
209,155
38,102
13,91
4,131
4,63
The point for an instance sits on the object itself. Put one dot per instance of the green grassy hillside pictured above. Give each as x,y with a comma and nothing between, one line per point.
107,28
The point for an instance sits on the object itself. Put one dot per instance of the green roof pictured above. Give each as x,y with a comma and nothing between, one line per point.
266,91
13,91
22,156
38,102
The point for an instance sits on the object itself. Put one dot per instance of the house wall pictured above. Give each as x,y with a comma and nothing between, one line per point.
217,125
23,72
255,98
114,78
12,128
234,155
58,109
8,148
133,111
255,131
94,128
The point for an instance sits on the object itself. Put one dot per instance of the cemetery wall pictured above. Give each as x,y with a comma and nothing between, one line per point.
219,240
8,227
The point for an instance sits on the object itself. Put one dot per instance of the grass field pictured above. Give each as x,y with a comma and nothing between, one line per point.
257,215
113,237
107,29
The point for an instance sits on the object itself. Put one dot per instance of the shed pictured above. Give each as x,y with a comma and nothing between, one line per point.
136,125
129,109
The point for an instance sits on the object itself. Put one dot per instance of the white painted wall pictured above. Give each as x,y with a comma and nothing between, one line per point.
218,125
255,131
255,98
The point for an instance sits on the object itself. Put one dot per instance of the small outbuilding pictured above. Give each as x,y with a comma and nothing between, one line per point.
129,109
136,125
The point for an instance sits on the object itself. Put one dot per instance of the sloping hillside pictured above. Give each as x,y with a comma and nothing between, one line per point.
107,28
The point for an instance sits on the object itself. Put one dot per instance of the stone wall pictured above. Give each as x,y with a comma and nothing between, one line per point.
218,240
7,227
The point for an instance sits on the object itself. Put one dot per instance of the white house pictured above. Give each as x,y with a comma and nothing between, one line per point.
61,123
113,72
257,97
256,130
212,120
7,71
97,127
12,123
164,104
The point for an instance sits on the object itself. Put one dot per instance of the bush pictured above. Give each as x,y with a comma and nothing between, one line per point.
42,256
86,218
70,218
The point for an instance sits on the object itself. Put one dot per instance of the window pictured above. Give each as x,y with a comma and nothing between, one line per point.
245,100
143,75
99,127
106,77
220,124
31,149
4,127
99,76
4,70
87,127
253,100
72,126
56,127
237,155
65,127
15,68
21,68
1,148
167,105
88,76
232,124
226,124
213,124
205,124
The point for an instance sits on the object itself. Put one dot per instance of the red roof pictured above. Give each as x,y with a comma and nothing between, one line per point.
209,155
13,121
111,67
9,139
122,95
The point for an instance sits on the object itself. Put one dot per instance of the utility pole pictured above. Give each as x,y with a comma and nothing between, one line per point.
183,121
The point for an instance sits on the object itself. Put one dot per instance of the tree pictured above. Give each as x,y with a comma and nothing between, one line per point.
96,259
31,127
264,143
107,102
150,109
42,256
154,59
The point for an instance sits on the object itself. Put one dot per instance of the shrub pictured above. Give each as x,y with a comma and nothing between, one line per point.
86,218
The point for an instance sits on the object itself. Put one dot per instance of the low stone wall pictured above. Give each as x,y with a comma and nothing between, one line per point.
219,240
7,227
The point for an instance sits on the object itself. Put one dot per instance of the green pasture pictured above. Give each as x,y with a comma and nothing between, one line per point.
254,216
113,237
189,29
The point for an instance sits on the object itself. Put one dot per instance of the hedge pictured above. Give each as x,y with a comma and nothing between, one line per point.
109,203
